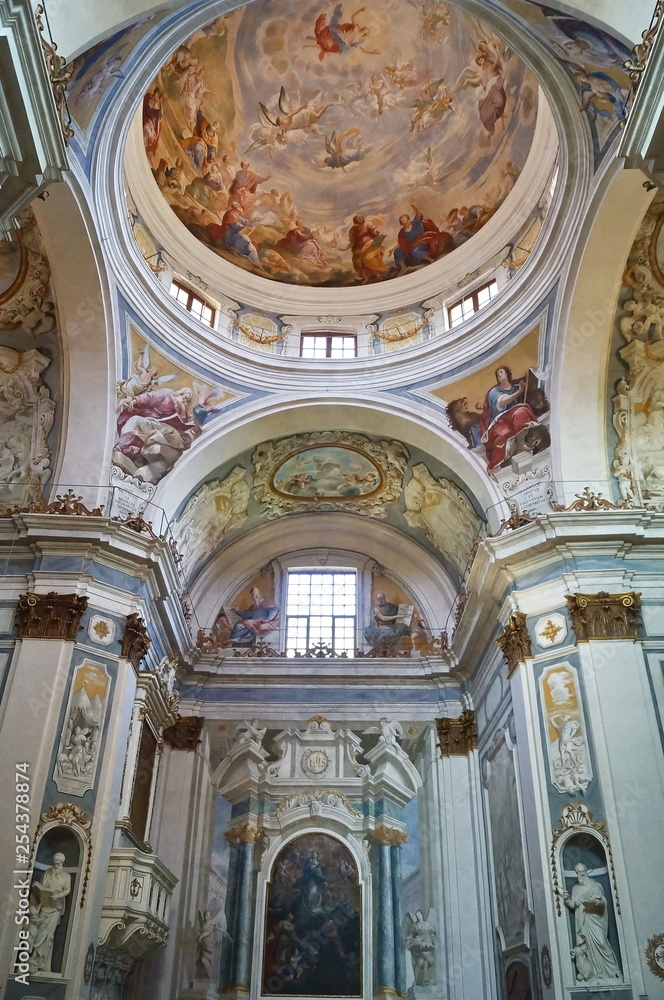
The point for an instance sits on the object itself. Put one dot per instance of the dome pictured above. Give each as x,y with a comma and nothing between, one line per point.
330,146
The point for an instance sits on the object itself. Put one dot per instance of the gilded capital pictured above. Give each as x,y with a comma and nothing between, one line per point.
186,733
388,835
604,615
515,641
50,616
457,737
246,834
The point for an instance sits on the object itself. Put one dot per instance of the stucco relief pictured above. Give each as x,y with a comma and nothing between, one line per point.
78,756
26,417
444,513
567,748
213,510
26,300
638,406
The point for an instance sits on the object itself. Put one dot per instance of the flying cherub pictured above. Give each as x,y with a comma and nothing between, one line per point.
97,82
337,37
283,125
338,156
143,378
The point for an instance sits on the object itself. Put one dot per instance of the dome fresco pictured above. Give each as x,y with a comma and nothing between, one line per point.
339,144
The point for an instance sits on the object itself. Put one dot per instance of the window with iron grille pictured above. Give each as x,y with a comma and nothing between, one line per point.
321,607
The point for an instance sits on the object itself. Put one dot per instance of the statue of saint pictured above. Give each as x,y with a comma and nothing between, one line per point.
46,911
592,955
420,939
205,942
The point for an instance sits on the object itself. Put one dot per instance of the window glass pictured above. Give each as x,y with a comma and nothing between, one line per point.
321,606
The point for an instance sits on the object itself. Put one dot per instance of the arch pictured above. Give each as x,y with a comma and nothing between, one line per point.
88,347
420,574
586,319
390,416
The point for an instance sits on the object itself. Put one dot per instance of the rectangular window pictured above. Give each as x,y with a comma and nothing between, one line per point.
321,607
471,303
331,345
193,303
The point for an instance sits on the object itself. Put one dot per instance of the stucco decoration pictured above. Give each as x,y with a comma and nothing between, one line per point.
27,414
638,406
329,145
26,300
213,510
566,743
328,471
444,513
78,755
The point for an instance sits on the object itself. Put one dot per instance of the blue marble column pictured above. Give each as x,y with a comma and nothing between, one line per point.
235,969
397,916
384,917
226,962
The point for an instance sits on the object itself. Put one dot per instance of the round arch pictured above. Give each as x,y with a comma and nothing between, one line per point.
586,321
276,416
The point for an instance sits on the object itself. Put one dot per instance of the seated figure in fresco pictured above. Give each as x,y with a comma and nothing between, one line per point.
419,240
384,628
503,416
262,617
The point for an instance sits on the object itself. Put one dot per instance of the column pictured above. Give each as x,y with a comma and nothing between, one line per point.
385,984
240,908
397,916
453,863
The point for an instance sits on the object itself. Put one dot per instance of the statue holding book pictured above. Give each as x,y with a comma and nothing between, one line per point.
47,907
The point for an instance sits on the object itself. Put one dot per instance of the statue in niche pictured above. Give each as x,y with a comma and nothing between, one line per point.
47,907
420,938
593,956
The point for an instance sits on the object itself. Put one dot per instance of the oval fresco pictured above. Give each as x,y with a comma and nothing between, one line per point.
335,144
330,472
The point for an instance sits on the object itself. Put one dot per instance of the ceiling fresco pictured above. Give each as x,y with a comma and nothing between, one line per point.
326,144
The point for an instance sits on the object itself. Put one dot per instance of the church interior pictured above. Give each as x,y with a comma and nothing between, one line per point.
332,530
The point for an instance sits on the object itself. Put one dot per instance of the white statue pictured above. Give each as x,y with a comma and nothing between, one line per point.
46,911
420,939
390,731
250,731
592,955
570,769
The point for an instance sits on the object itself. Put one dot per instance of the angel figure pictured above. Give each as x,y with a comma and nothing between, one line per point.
420,939
206,938
288,120
143,378
337,36
390,731
97,82
486,72
433,102
338,156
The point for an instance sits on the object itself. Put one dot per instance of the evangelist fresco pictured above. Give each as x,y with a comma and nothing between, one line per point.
95,70
161,412
251,615
592,57
313,922
394,620
499,411
276,131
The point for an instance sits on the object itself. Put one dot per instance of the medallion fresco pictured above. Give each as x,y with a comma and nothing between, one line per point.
328,470
313,924
276,131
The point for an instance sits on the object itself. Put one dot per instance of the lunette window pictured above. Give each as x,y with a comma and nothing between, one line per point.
193,303
471,303
321,606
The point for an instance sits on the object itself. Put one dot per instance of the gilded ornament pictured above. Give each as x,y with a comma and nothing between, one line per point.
50,616
246,834
388,835
185,734
604,615
135,641
457,737
515,641
550,631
